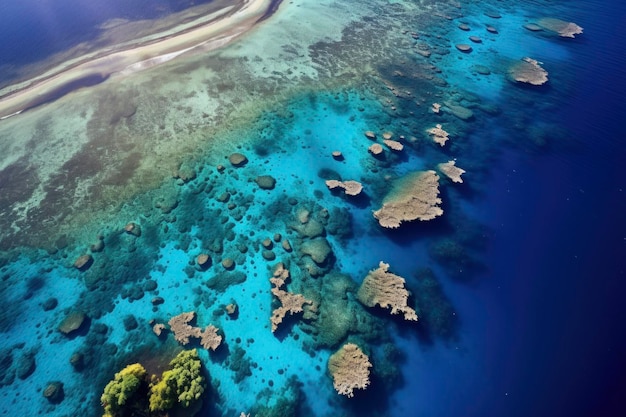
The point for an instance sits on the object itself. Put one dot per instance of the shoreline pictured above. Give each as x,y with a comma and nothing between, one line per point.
223,26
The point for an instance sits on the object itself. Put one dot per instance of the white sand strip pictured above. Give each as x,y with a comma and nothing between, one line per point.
225,27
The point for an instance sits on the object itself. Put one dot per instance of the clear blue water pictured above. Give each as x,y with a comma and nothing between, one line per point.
536,290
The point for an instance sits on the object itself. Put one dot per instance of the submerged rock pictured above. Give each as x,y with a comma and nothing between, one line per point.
268,255
318,249
237,159
481,69
83,262
133,228
223,280
72,322
77,360
375,149
53,392
50,304
228,263
461,112
370,135
265,182
203,260
533,27
25,365
185,172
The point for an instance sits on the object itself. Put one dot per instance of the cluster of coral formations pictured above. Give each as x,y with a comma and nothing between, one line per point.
350,369
383,288
414,196
528,71
289,303
183,331
132,392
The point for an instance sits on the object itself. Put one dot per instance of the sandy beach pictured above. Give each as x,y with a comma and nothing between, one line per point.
218,29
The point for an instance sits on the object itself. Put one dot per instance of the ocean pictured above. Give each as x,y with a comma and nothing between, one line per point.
187,184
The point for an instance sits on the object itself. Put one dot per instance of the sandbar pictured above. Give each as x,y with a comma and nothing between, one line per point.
216,30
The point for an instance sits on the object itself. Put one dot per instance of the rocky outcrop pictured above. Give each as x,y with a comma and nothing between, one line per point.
528,71
450,170
183,331
289,303
350,369
381,287
415,196
438,135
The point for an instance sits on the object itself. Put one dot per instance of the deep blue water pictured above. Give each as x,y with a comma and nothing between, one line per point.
562,285
547,305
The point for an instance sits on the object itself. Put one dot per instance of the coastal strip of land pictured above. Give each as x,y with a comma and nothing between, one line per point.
216,30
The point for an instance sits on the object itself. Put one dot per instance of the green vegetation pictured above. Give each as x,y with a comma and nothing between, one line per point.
182,384
122,388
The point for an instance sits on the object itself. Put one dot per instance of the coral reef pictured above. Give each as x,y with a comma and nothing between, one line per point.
183,331
183,384
349,367
289,303
385,289
349,187
562,28
415,196
528,71
375,149
394,145
450,170
438,135
119,391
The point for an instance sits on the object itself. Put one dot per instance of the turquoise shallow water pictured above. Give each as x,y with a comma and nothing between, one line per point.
517,285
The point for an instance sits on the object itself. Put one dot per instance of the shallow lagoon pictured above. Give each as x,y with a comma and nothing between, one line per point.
496,280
